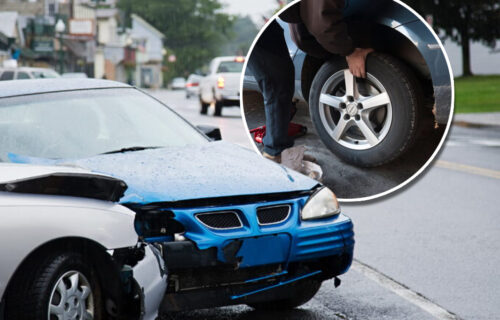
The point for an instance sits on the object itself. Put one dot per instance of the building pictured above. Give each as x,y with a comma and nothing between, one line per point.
149,53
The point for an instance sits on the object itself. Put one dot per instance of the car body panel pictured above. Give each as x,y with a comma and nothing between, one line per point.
297,239
151,275
177,174
29,221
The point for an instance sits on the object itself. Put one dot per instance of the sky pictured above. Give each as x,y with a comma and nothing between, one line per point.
254,8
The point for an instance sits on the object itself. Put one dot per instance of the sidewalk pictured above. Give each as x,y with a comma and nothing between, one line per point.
490,119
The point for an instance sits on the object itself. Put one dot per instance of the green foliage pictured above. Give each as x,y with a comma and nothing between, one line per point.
241,37
477,94
478,19
194,29
463,21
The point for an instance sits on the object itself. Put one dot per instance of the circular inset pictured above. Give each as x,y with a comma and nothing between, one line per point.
370,135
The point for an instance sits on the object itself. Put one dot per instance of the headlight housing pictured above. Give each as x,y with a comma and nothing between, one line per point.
322,204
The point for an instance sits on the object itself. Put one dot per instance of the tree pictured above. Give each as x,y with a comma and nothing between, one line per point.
241,37
194,29
463,21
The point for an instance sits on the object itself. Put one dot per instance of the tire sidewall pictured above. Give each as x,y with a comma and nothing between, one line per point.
398,85
35,290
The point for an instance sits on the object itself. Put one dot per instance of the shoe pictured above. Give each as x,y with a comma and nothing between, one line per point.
276,158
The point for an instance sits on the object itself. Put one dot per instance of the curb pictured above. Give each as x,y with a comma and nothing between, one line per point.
476,125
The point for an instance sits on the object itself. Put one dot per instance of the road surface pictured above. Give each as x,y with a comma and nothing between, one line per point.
429,251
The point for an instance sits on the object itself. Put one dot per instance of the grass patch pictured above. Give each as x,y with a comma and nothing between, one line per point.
477,94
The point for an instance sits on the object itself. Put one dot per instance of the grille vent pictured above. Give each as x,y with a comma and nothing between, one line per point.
220,220
273,214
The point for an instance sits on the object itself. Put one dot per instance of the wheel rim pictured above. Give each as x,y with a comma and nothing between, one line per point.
71,298
356,113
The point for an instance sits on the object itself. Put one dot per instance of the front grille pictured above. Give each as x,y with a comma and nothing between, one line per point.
220,220
273,214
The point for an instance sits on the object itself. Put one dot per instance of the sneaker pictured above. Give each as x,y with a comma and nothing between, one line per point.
276,158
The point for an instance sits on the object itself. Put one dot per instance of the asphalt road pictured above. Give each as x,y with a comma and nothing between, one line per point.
429,251
348,181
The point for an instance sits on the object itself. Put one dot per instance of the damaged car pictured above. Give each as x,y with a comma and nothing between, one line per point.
69,251
230,226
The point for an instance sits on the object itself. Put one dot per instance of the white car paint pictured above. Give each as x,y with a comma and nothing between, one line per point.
210,93
31,220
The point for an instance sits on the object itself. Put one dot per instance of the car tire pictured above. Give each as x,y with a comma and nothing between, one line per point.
218,108
204,107
377,126
301,293
45,282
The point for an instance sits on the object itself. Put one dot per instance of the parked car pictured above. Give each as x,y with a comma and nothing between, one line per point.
370,122
193,85
69,250
178,84
221,85
22,73
228,233
80,75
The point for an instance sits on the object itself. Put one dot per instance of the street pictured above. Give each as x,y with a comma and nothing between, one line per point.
429,251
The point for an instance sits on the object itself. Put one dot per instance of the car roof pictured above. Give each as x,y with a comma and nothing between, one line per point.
13,88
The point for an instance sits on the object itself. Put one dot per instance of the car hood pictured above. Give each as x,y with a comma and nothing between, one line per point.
215,169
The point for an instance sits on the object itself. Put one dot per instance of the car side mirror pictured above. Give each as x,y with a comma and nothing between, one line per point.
210,131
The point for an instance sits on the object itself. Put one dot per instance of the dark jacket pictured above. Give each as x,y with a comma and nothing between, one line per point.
318,27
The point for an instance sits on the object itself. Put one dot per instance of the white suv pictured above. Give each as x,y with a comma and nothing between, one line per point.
222,85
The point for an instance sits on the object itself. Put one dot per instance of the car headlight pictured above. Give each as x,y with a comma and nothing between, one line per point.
322,204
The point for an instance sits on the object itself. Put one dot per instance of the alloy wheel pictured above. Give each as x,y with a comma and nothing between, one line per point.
356,113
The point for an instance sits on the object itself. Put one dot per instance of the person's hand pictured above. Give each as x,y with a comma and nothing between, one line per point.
356,62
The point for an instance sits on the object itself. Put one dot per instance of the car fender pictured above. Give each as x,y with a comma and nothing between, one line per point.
29,221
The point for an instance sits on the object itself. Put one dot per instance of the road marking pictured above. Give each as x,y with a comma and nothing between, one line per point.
401,290
468,169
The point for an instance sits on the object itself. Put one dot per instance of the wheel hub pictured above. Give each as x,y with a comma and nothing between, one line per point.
352,109
355,120
71,298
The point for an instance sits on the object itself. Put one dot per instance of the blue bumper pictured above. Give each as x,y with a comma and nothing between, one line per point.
292,240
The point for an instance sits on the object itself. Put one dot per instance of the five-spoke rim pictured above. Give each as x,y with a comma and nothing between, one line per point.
71,298
357,113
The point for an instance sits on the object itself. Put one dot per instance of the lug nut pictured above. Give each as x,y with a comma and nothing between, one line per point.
357,117
342,105
350,98
346,117
360,106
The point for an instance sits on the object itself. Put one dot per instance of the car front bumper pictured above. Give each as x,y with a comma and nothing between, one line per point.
253,259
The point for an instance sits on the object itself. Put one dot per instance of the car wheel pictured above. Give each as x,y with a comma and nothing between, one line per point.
204,107
366,122
218,108
63,286
301,292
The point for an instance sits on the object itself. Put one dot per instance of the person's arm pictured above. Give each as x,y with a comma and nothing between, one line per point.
324,20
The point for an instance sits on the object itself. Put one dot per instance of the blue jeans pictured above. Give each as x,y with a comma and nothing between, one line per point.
273,69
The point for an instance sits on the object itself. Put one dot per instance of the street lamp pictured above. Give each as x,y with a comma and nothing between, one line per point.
60,28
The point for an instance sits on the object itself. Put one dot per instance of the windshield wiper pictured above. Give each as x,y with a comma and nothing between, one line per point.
129,149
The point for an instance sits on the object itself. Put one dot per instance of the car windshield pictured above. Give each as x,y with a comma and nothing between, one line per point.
84,123
230,66
45,74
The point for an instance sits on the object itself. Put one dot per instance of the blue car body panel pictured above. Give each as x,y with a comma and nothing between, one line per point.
289,241
216,169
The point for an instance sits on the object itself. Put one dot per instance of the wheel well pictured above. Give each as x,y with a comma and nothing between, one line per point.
107,271
382,39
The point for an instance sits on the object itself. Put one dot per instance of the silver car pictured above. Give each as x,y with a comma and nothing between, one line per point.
68,251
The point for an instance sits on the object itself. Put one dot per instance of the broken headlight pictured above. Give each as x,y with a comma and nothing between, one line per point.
322,204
